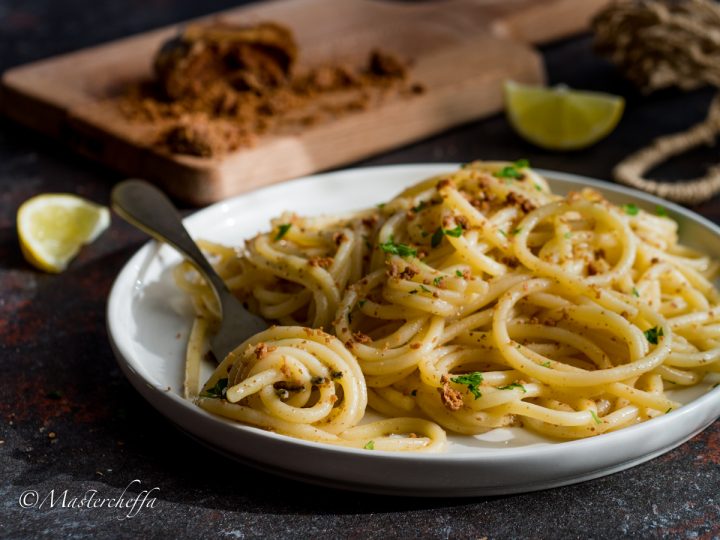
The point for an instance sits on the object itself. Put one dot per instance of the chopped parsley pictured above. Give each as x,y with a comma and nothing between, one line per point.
652,334
546,364
670,409
507,172
381,205
518,230
635,292
424,288
419,207
438,281
511,171
458,273
661,211
513,385
437,237
217,391
440,232
538,187
361,303
631,209
567,235
398,249
502,232
282,230
370,445
595,417
472,381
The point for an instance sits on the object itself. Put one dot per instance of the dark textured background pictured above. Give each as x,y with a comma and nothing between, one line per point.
52,337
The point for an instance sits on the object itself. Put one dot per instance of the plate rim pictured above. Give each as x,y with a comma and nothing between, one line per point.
133,264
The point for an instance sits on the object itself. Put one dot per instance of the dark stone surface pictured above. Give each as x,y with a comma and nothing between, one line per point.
52,337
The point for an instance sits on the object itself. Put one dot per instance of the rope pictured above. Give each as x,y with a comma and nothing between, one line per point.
658,44
631,171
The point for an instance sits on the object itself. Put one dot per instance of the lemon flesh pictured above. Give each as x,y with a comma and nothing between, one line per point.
561,118
53,227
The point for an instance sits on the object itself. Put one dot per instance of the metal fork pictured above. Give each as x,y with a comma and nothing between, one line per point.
147,208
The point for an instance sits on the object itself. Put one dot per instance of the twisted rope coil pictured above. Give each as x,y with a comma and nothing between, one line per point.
658,44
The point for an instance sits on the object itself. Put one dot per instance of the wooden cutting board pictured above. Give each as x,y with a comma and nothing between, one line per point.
461,52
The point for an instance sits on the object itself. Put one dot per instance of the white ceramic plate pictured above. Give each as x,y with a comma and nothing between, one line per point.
149,320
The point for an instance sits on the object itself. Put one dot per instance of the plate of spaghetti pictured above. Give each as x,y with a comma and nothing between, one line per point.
436,329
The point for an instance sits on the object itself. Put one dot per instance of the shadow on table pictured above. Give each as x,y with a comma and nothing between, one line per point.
64,380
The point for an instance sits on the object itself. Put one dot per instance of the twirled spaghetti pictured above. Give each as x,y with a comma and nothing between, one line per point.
470,301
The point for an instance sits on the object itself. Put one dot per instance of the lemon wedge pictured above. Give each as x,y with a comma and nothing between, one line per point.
54,226
560,118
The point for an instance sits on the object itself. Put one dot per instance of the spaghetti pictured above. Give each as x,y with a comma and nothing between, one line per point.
474,300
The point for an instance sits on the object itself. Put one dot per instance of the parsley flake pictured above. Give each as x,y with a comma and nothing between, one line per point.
538,187
513,385
398,249
507,172
436,237
595,417
472,381
661,211
438,281
635,292
511,171
370,445
652,334
424,288
567,235
518,230
455,233
458,273
419,207
546,364
361,303
282,230
631,209
440,232
670,409
217,391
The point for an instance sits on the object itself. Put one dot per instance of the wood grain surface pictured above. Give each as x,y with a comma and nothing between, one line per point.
461,51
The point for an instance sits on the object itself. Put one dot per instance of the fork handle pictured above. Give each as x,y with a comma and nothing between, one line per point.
147,208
